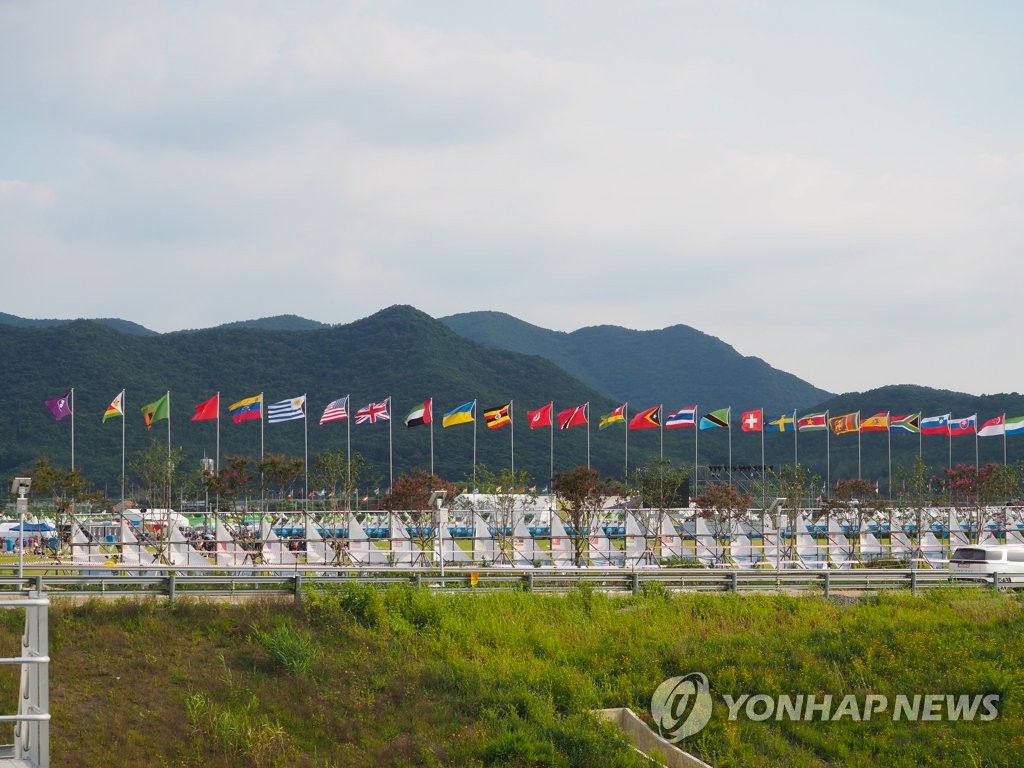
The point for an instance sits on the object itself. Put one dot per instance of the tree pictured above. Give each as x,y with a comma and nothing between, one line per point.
511,499
581,494
792,484
278,471
155,470
851,501
66,487
656,487
331,469
915,496
724,507
231,482
410,497
973,491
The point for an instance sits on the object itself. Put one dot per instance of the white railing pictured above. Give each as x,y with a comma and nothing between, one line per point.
32,722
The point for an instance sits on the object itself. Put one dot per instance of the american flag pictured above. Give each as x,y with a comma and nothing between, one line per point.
373,412
336,411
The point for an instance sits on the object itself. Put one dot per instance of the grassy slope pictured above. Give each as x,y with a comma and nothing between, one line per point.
404,677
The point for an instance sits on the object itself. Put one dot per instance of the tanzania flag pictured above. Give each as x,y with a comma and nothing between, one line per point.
158,410
715,419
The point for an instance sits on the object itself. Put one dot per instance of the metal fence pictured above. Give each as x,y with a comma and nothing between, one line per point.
250,581
31,747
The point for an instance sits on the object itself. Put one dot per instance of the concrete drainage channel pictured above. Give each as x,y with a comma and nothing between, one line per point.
647,742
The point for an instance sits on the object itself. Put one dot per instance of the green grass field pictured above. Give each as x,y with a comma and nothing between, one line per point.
359,676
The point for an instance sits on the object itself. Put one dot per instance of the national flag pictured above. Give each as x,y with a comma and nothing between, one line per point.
336,410
59,406
158,410
848,422
541,417
373,412
249,409
965,426
715,419
286,410
785,423
616,416
877,423
208,410
464,414
812,422
752,421
684,417
499,416
647,419
993,427
421,414
573,417
935,425
1015,425
116,407
909,423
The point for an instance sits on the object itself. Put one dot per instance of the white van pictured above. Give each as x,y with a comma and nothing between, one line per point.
1007,560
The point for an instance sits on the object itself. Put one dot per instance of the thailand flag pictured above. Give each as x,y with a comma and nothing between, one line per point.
684,417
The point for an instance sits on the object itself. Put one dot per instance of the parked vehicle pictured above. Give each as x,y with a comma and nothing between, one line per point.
1006,560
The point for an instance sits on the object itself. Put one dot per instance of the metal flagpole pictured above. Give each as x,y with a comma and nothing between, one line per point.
71,397
762,459
168,462
348,444
949,435
430,413
728,418
888,434
695,431
1004,439
586,415
858,445
512,433
551,424
976,441
796,450
473,411
305,435
263,491
625,415
123,420
661,434
828,456
391,455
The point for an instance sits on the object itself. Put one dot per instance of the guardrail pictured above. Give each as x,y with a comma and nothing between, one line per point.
254,581
32,722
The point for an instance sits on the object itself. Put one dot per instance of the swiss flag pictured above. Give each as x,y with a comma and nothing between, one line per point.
541,417
752,421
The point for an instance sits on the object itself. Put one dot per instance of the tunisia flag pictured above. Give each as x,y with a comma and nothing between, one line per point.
541,417
752,421
208,410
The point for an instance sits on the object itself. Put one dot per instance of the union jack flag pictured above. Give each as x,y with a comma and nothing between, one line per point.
373,412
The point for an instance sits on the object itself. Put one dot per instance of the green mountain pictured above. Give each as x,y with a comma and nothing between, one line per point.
277,323
124,326
675,366
399,353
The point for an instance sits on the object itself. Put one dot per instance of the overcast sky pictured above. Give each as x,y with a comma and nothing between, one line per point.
836,187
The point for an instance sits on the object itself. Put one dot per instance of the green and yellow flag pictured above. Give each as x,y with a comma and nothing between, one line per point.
158,410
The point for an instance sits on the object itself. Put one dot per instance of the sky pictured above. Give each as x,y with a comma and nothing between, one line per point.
834,187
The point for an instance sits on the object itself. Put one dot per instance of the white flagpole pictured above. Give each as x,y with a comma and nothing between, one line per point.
348,443
858,445
430,407
696,429
551,424
71,397
1004,439
169,489
625,415
512,433
828,456
796,450
888,434
728,418
305,436
263,492
762,458
586,415
391,455
976,441
123,419
661,434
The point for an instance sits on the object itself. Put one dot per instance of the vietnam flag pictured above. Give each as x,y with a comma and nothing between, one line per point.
541,417
208,410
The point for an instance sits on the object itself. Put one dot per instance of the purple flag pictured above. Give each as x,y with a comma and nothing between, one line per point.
59,407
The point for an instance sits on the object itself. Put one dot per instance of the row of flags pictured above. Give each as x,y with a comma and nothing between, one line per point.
252,408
